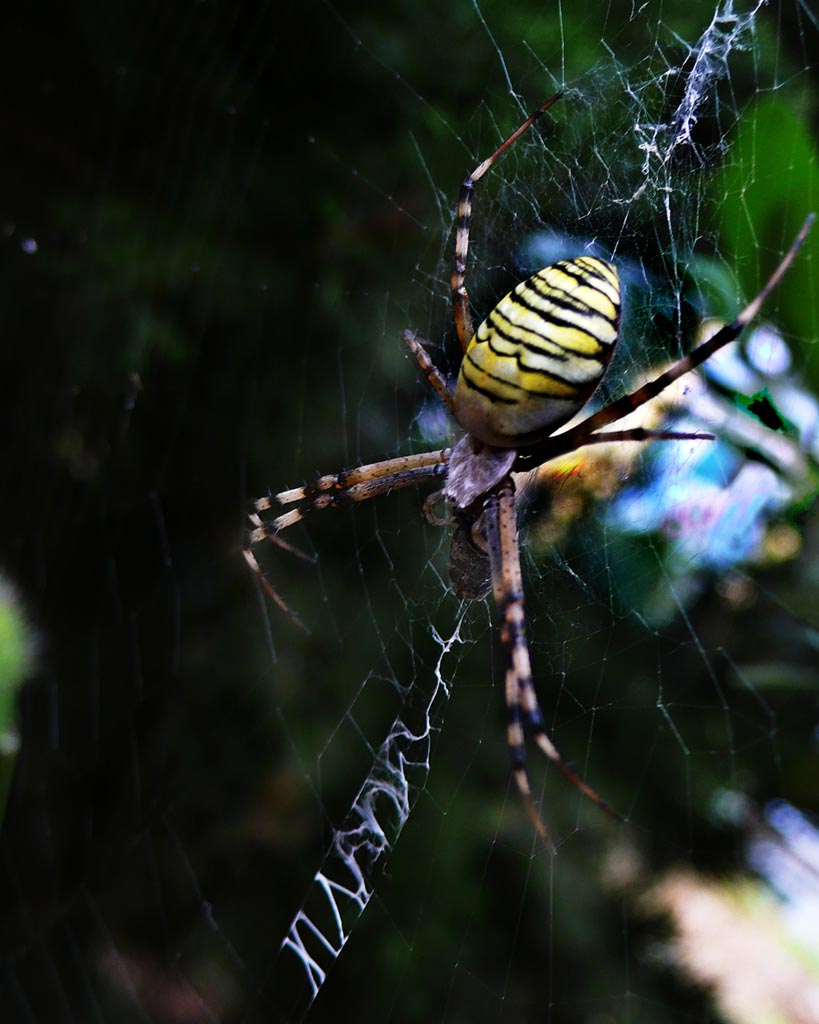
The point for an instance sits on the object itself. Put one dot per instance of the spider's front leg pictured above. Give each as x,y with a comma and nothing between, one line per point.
334,490
523,711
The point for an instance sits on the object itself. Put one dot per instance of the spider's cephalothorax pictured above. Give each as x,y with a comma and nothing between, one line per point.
528,369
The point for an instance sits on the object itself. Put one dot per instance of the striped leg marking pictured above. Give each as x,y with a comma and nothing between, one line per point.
418,347
334,490
460,296
523,711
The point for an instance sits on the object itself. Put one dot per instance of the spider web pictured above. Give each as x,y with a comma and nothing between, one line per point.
216,817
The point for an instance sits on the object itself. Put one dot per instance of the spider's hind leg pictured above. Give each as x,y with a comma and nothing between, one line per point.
463,216
418,347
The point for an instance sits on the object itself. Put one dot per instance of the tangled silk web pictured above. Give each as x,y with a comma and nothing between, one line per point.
666,131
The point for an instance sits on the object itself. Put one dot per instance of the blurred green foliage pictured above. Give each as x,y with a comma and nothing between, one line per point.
16,656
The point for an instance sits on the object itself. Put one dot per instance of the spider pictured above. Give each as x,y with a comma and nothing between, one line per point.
530,367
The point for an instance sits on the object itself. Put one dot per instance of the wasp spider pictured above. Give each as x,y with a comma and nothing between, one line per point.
527,370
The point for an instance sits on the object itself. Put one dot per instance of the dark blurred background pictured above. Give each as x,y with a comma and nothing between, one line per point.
216,219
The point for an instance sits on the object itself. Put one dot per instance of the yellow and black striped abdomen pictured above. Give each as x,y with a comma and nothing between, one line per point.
541,352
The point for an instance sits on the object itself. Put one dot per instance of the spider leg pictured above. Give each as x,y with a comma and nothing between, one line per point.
431,515
523,711
269,589
334,490
641,434
418,347
580,434
460,296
